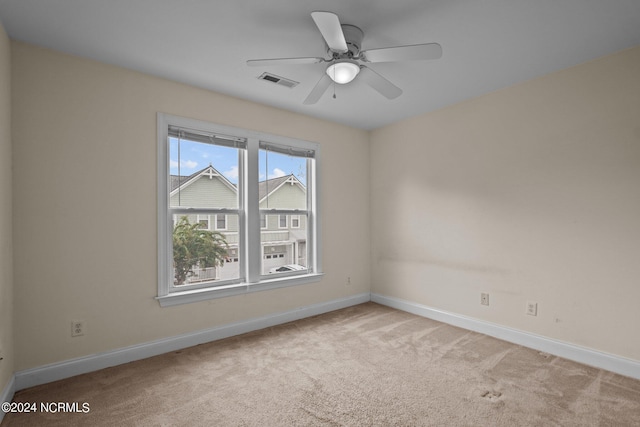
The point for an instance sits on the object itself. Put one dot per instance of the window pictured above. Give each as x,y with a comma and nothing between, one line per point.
221,222
217,188
203,220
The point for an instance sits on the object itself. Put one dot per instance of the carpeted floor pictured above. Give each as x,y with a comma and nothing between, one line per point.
367,365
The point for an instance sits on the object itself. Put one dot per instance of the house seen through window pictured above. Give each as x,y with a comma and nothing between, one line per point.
240,210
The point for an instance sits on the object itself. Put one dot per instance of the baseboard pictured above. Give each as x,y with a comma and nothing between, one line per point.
587,356
7,394
83,365
68,368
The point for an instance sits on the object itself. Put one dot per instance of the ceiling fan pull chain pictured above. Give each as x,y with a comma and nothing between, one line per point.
334,83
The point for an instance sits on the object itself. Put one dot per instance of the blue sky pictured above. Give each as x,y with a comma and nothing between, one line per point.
195,156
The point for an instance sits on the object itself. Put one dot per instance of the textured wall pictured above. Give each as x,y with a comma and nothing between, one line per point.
531,193
85,203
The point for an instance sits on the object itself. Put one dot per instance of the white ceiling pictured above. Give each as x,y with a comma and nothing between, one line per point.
487,44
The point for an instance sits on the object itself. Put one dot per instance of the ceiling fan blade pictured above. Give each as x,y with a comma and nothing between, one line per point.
329,26
414,52
283,61
379,83
319,90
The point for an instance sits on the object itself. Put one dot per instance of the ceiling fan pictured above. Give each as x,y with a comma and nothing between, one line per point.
346,59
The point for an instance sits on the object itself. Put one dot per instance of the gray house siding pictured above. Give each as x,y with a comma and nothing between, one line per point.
286,196
280,245
205,192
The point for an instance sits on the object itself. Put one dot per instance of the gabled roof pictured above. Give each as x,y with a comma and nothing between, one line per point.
184,181
269,186
176,180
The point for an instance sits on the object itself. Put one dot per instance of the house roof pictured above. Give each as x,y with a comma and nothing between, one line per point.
267,187
176,180
264,187
182,180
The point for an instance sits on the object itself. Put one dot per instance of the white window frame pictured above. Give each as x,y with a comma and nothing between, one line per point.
225,222
295,218
250,250
286,221
200,217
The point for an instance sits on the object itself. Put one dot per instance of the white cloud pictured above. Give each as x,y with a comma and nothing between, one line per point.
277,173
189,164
185,164
232,173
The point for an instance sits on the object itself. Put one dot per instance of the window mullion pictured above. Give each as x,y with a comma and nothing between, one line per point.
313,227
253,247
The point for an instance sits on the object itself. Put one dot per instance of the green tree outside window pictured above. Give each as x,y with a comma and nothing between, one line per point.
195,247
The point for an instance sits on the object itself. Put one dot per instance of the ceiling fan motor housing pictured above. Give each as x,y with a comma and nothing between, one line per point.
353,36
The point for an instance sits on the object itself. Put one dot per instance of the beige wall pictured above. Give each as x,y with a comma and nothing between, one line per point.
6,245
528,193
85,206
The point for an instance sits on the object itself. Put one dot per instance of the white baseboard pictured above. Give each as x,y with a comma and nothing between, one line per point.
587,356
7,394
94,362
68,368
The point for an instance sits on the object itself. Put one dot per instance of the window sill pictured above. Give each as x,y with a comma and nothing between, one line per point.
195,295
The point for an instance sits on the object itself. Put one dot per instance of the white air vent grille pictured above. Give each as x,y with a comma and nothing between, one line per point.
268,77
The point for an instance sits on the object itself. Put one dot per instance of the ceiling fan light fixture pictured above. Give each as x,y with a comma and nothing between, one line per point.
342,72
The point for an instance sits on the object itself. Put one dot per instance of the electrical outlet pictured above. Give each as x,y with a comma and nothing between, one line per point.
78,328
532,308
349,281
484,298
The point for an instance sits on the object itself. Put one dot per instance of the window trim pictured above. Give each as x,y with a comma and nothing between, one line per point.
286,221
249,215
208,219
225,223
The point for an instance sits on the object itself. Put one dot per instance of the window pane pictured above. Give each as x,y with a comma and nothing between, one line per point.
203,220
221,222
282,181
203,256
202,175
283,250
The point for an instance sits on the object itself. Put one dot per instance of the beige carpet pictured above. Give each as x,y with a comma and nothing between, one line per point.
367,365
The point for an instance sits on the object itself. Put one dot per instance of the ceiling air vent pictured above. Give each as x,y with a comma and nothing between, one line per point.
268,77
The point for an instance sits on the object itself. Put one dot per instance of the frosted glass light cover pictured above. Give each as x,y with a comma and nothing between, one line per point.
343,72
